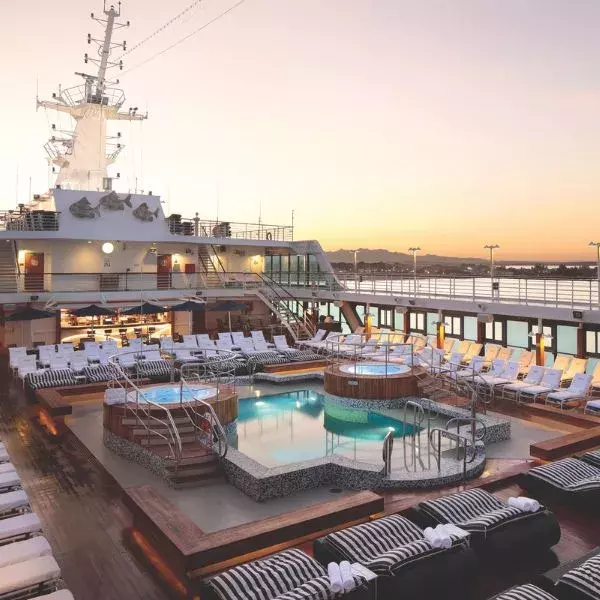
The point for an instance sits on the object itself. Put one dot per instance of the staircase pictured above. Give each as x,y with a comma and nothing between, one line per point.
8,268
276,297
198,464
210,265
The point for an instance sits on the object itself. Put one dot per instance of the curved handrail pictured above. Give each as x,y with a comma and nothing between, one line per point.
476,436
461,440
169,424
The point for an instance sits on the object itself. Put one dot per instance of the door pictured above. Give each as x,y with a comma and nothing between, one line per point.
163,271
34,271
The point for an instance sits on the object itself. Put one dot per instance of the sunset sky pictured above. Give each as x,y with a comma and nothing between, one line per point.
446,124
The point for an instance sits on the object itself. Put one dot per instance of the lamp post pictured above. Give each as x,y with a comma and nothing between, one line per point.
597,245
491,248
414,253
355,270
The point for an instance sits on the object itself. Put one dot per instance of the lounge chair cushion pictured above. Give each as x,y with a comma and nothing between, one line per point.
99,373
563,396
10,501
51,378
525,592
267,358
584,578
28,574
20,525
268,578
7,467
381,545
26,550
592,458
568,474
154,368
317,588
9,480
472,510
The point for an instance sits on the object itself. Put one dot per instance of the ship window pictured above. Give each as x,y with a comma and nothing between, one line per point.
592,342
417,321
453,326
494,331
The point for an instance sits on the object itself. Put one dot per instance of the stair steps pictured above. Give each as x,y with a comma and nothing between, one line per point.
8,268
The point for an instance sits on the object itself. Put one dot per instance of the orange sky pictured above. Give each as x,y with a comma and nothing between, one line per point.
382,123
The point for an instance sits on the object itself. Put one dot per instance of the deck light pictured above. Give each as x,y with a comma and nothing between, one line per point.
108,247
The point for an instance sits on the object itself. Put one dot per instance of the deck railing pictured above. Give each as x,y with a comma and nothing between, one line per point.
29,220
227,229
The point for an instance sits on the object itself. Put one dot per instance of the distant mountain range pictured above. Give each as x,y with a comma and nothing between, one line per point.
367,255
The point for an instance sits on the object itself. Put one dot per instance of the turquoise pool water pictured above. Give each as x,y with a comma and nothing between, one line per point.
374,369
296,426
169,394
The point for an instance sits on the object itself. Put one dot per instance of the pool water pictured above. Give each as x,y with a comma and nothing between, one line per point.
169,394
374,369
297,426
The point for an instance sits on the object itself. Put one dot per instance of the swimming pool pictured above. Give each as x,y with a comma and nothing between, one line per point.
297,426
374,369
169,394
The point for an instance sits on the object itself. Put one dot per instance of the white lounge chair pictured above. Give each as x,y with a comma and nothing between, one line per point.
36,575
236,336
203,339
9,481
533,378
577,390
507,374
259,336
476,364
225,336
6,467
576,366
315,339
18,552
550,383
190,341
16,355
19,527
166,343
78,362
3,453
461,348
58,362
282,346
12,503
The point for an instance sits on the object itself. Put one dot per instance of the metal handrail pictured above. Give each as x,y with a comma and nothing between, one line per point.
460,440
388,448
169,424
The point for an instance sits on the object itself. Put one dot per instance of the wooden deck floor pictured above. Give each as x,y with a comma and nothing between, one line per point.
84,518
80,507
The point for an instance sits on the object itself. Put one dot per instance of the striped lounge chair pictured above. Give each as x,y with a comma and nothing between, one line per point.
581,582
494,526
395,549
525,592
99,373
592,458
569,478
289,575
258,360
50,379
154,369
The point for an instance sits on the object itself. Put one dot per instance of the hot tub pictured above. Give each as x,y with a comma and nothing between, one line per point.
374,369
168,395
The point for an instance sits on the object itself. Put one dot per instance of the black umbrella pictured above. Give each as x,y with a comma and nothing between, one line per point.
145,308
93,310
29,314
228,306
189,305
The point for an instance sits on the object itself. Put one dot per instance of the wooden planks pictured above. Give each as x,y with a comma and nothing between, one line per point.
296,366
566,445
52,401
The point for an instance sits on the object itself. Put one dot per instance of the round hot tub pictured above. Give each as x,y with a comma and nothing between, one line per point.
374,369
168,395
372,380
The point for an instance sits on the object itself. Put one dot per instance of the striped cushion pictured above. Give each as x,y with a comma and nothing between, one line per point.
315,589
267,358
99,373
50,379
585,577
525,592
473,510
568,474
154,368
592,458
303,355
362,543
268,578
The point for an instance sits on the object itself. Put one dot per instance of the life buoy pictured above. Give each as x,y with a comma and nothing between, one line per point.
269,236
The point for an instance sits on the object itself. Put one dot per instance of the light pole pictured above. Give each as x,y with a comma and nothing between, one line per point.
491,248
597,245
414,253
355,270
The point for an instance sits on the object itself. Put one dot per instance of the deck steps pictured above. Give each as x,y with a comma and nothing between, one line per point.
196,474
151,422
182,429
157,440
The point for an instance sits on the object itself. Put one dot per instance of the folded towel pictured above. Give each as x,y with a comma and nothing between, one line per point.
452,529
524,504
335,578
346,573
438,538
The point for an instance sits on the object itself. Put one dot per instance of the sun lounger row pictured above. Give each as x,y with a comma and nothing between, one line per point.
27,567
424,556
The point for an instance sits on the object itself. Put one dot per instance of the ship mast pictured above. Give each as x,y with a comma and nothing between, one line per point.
83,155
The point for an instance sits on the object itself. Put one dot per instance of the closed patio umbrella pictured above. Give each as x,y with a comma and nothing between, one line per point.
145,308
228,306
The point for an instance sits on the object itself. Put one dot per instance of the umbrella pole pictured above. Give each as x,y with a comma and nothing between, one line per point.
229,318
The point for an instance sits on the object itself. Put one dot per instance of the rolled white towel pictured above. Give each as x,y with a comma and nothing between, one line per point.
347,579
437,537
335,578
524,504
452,529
